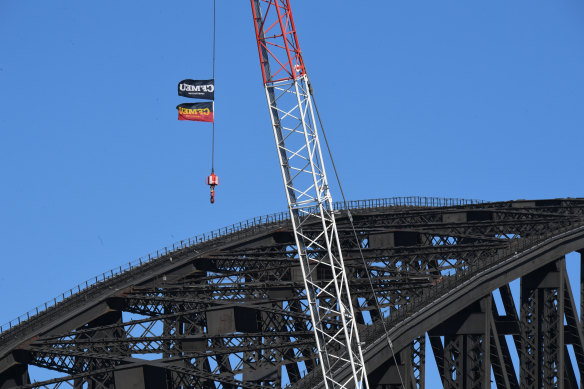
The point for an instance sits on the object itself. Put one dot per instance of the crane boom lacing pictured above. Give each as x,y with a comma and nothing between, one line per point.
309,200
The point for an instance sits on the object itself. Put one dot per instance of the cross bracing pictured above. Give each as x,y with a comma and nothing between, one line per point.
231,312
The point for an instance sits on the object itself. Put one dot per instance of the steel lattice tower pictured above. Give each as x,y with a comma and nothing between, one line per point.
307,191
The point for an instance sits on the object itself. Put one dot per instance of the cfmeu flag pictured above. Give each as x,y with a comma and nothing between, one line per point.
197,89
198,112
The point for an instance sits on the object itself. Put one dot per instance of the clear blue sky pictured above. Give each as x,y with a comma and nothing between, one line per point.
472,99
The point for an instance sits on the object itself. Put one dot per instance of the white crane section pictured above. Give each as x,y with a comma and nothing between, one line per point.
310,202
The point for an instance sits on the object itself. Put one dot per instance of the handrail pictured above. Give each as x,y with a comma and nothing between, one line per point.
235,230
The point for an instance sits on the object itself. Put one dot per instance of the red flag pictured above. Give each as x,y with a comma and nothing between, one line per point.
198,112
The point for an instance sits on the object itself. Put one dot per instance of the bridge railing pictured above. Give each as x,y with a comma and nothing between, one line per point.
412,201
235,231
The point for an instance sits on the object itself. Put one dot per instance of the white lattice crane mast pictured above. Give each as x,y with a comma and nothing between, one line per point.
309,200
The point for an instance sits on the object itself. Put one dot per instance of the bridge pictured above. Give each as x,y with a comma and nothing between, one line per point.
485,283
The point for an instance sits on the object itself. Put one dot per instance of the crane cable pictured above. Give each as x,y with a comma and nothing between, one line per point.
389,343
213,130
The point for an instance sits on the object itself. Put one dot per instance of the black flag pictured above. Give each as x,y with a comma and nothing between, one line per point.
197,89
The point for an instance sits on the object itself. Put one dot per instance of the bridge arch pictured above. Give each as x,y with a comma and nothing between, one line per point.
226,309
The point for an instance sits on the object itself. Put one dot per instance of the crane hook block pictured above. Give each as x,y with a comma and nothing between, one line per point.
212,181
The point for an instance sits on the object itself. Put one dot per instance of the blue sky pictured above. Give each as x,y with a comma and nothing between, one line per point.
439,98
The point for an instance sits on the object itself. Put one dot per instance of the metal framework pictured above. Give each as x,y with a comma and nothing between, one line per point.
307,191
230,312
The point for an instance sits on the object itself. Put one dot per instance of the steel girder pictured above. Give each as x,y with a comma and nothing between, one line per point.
233,313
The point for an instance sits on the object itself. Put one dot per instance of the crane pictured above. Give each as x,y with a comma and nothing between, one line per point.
290,102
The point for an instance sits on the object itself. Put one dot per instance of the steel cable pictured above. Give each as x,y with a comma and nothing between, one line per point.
350,216
213,126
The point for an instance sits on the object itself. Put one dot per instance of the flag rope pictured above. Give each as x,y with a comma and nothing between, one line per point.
213,130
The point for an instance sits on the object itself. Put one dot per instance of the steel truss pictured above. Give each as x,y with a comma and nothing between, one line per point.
233,314
309,199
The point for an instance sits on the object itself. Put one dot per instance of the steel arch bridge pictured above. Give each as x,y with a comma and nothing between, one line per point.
227,310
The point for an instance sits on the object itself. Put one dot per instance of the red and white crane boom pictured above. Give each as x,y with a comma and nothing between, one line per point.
295,129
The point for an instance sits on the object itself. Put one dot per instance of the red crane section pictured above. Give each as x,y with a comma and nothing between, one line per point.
276,36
